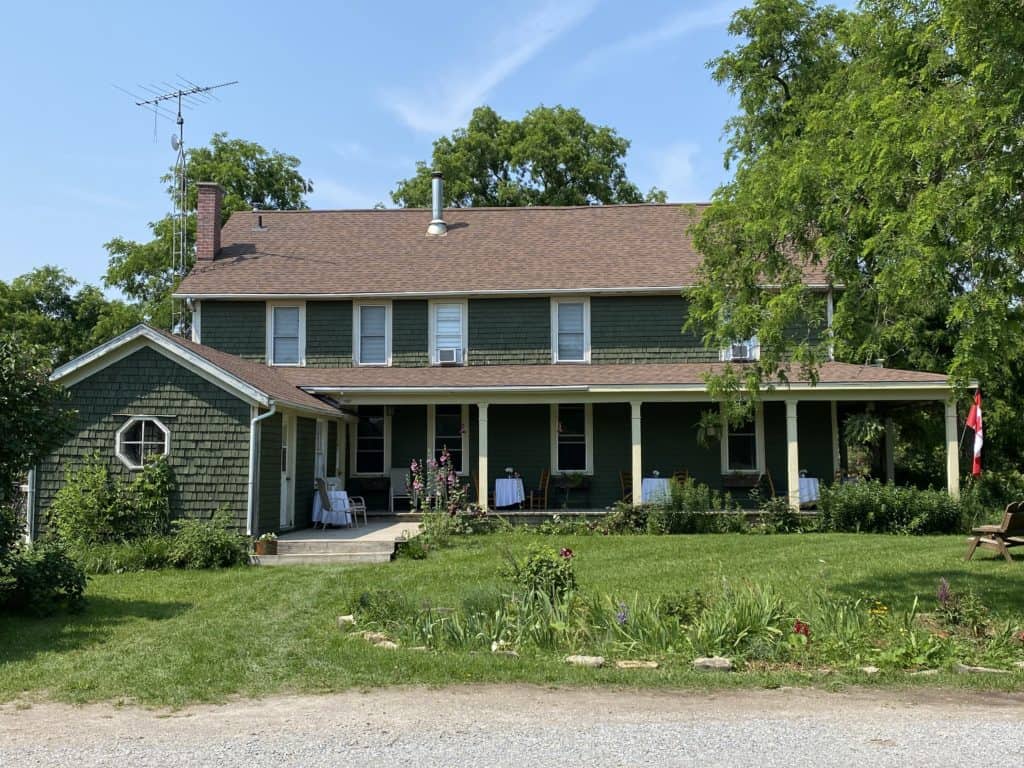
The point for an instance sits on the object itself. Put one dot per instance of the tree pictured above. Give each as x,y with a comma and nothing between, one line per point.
43,309
553,156
33,419
252,177
882,146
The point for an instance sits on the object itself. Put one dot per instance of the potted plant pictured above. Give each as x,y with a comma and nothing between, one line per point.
709,427
265,544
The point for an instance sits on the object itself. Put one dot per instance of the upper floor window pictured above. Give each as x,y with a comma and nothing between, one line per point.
572,442
742,351
372,334
142,438
286,330
570,330
448,321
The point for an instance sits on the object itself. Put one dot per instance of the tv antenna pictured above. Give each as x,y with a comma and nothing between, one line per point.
186,94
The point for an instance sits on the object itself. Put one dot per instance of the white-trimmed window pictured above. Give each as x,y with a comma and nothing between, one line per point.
449,429
743,445
570,330
370,442
448,332
142,438
742,351
286,333
572,438
371,333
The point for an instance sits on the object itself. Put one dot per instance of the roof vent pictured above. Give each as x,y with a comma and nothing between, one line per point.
437,224
259,221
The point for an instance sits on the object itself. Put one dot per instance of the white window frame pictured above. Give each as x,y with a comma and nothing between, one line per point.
588,415
301,306
432,436
353,444
555,302
356,336
759,452
132,420
725,355
433,304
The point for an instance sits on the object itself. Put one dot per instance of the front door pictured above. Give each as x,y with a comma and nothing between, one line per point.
287,471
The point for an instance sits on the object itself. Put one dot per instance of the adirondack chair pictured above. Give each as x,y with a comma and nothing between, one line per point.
1009,533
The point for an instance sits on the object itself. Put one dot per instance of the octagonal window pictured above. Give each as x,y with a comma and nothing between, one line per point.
142,438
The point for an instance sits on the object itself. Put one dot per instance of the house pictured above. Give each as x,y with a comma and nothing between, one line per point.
347,343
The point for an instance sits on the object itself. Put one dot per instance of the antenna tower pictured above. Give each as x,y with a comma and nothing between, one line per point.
186,94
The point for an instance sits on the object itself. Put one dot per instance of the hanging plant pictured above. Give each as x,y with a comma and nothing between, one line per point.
709,428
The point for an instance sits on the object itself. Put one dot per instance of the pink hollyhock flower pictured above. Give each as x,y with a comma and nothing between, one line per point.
566,553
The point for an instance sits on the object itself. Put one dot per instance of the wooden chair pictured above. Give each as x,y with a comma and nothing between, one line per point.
538,497
681,476
626,483
1009,533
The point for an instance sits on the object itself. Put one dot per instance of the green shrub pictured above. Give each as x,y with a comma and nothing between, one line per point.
874,507
146,554
543,571
693,508
625,518
212,543
92,507
747,622
39,578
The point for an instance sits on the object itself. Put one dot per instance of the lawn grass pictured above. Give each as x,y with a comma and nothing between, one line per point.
174,637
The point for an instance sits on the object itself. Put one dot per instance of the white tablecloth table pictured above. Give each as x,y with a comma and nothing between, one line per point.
508,491
654,489
338,514
810,490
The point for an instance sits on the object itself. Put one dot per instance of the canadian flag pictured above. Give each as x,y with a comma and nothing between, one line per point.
974,422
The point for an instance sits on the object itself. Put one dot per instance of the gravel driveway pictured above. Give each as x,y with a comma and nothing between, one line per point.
523,725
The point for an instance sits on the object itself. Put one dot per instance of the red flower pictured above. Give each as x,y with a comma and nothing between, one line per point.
802,628
566,553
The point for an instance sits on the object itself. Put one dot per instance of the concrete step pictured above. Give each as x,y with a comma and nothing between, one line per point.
397,517
322,558
333,546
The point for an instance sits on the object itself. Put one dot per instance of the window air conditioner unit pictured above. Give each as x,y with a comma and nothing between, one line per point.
739,352
449,356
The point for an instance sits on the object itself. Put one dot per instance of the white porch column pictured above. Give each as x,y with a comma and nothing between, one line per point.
482,470
637,461
341,451
890,451
837,458
792,456
952,451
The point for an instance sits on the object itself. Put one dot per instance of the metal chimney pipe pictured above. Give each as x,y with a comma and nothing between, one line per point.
437,223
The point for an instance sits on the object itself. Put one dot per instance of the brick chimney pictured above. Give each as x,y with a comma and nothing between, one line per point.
208,220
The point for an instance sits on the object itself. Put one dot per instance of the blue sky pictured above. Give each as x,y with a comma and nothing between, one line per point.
357,90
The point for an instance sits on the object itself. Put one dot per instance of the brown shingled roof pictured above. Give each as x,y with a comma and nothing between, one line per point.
547,376
270,381
486,250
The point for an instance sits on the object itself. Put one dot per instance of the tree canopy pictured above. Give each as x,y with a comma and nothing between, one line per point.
252,177
43,309
884,146
552,156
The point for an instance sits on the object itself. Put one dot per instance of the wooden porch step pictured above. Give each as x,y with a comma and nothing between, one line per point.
333,547
324,558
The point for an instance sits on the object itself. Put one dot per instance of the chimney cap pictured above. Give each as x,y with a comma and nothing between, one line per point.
436,175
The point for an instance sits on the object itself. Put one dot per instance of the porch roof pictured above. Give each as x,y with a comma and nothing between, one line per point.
832,375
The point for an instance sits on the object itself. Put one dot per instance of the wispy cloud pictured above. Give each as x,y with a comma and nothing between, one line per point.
96,198
330,193
675,172
435,109
668,30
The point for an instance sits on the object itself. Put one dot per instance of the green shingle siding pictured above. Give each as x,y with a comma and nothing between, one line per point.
328,334
270,474
408,434
332,447
509,331
237,327
209,432
643,329
613,452
518,436
409,334
670,444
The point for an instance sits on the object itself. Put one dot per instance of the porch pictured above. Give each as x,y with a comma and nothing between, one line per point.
374,542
